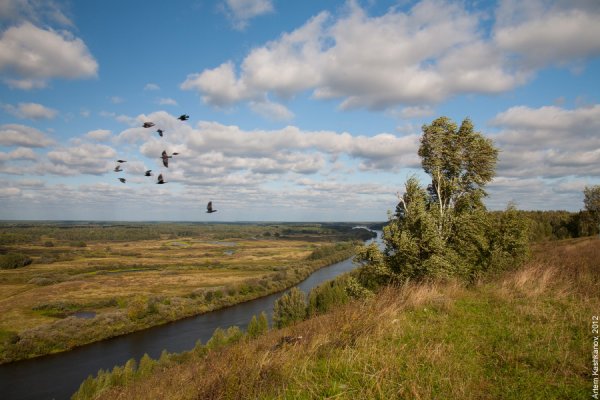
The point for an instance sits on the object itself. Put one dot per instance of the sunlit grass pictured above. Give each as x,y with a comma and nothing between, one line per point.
522,335
174,278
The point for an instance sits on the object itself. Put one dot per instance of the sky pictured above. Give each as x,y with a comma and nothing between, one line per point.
298,111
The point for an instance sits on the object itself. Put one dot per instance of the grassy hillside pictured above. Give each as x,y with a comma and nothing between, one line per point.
523,335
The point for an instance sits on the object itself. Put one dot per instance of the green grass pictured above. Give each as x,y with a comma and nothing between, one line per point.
522,335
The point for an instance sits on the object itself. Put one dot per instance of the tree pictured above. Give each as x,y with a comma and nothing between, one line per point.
258,326
591,201
289,308
444,230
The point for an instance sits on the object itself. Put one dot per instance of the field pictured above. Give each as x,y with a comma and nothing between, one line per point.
524,334
133,276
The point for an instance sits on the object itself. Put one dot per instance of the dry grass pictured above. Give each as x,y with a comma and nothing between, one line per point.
106,277
520,336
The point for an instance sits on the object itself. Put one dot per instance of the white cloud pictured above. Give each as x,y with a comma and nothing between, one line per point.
167,101
22,153
549,32
83,158
99,135
22,135
30,110
151,86
9,192
241,11
435,50
218,86
271,111
414,112
33,10
117,100
29,56
549,141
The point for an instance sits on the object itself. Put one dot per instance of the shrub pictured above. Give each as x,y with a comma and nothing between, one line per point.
289,308
258,326
14,260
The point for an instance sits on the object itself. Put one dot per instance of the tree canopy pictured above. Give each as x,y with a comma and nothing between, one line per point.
444,230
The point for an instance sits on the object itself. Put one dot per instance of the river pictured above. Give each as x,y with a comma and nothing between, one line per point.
58,376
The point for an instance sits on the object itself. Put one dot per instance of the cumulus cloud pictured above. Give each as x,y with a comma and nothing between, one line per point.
427,54
30,111
548,32
434,50
241,11
99,135
83,158
549,141
30,55
22,135
271,111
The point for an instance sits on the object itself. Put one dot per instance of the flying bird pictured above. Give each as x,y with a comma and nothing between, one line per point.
118,168
148,124
160,132
165,158
121,161
122,180
148,173
160,180
183,117
209,208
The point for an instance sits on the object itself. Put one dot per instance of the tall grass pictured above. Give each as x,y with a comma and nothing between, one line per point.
522,335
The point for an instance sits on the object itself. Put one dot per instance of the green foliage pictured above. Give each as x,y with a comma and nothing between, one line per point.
258,326
327,296
444,230
591,202
14,260
509,244
222,337
289,308
355,290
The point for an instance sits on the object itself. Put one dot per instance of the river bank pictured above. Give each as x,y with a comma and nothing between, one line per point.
59,375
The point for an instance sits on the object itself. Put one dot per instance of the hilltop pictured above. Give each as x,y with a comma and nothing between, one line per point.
524,333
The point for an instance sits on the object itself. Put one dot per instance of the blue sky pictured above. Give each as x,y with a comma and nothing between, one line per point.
305,111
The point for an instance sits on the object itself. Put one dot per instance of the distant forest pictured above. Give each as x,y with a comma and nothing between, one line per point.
557,225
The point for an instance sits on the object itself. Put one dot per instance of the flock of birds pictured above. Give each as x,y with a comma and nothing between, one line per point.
165,160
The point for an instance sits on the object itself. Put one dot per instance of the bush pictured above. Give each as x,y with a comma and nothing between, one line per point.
258,326
289,308
14,260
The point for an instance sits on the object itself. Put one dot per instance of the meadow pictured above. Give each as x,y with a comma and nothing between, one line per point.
520,334
87,282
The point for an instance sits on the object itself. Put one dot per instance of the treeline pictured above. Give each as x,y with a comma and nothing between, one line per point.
556,225
21,233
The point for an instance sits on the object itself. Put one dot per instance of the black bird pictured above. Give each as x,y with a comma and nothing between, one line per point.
209,208
118,168
122,180
183,117
160,132
160,180
148,173
148,124
165,158
175,154
121,161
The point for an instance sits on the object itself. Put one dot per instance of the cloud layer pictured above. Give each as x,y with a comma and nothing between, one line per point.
30,56
433,51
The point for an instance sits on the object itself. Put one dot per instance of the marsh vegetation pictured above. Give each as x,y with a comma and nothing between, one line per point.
133,276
